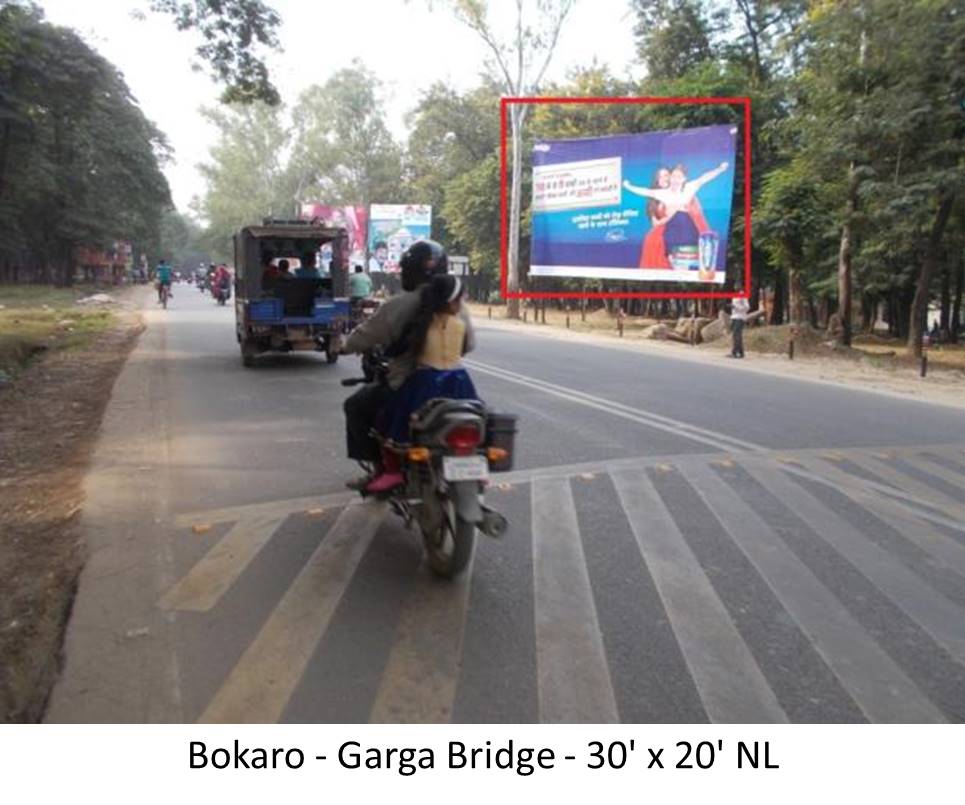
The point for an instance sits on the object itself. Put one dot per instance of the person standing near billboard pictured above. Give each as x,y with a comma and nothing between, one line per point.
740,308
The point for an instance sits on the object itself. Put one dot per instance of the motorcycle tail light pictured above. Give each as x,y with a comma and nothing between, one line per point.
464,438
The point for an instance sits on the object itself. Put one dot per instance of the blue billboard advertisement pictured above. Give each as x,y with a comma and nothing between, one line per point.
647,207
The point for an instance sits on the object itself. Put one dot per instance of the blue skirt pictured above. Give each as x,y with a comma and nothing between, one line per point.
680,231
418,389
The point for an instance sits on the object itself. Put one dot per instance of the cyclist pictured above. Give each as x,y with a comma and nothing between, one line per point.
163,275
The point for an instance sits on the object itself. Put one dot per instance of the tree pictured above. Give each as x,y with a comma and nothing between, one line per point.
878,112
247,178
519,63
343,151
180,240
79,162
232,31
673,36
450,134
471,210
789,218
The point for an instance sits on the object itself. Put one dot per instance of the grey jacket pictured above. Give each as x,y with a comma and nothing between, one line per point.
387,326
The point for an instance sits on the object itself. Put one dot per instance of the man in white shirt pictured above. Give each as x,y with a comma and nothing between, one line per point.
738,318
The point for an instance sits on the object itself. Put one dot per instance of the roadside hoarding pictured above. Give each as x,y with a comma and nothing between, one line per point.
642,207
392,228
353,218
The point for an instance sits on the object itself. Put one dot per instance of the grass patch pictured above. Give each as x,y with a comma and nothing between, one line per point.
36,318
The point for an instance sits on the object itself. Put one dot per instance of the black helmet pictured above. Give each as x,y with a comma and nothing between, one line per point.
420,261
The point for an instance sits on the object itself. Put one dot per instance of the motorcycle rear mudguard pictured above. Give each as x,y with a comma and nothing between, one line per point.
465,496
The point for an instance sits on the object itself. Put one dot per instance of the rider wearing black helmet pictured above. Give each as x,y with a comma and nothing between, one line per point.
420,261
387,329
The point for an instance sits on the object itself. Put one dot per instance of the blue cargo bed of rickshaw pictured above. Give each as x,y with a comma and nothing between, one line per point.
276,311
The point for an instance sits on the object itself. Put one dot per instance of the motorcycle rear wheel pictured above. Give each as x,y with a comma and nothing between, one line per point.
449,548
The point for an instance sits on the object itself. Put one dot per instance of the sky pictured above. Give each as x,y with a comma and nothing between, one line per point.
409,45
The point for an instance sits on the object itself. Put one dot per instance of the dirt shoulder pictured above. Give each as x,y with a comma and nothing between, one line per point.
871,367
51,404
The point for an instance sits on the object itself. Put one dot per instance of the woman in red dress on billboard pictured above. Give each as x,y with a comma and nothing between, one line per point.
653,254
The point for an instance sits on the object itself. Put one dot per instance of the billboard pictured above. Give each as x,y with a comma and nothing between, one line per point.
392,228
642,207
353,218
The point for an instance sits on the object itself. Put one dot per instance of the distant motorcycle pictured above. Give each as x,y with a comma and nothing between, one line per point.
453,446
222,293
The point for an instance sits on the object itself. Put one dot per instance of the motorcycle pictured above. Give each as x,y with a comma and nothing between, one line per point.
453,446
222,294
362,310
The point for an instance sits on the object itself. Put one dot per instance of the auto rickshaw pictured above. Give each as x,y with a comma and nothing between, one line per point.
280,311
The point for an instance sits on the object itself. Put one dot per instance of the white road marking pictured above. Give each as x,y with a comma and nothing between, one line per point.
260,685
213,575
732,686
678,428
938,616
272,508
927,494
876,683
826,473
572,673
912,527
420,677
928,464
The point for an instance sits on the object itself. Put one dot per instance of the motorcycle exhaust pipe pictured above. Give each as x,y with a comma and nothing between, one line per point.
493,524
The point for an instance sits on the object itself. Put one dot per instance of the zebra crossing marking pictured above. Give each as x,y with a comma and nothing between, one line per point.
732,686
929,494
213,575
421,676
419,681
260,685
939,617
912,527
573,676
927,464
825,473
874,681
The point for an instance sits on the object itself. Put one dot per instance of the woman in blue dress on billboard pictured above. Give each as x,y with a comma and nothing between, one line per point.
681,235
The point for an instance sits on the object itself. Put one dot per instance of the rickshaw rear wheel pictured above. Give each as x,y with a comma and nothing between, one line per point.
248,352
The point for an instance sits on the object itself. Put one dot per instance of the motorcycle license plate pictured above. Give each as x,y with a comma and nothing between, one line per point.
465,468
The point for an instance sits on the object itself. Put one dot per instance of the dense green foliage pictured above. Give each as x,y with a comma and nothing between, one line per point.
79,162
232,33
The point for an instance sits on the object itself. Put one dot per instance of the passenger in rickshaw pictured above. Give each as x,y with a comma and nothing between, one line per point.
307,268
269,271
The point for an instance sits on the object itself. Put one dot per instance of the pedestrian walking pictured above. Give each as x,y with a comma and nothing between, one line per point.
738,318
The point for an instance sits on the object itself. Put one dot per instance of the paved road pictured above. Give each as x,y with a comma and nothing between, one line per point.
688,543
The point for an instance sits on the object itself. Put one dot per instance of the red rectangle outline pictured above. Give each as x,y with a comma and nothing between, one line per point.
504,207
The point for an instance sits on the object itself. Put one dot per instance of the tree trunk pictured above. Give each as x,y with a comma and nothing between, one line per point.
945,316
956,322
777,308
794,289
919,306
844,259
516,118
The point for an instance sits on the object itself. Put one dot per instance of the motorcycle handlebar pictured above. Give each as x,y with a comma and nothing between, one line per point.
353,381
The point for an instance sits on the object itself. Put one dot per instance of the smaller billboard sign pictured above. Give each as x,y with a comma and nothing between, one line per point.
392,229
